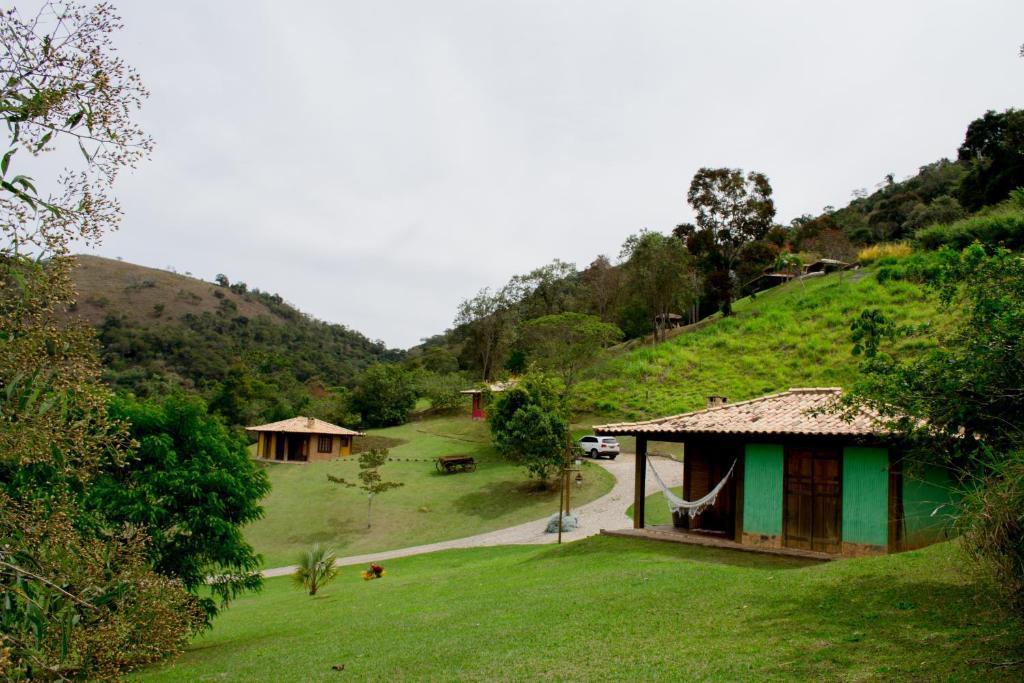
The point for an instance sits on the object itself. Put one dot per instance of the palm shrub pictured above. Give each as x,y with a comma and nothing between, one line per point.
316,568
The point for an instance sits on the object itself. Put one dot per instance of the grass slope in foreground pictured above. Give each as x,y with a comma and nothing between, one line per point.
617,609
305,508
796,335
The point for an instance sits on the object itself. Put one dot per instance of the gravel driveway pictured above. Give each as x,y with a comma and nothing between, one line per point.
607,512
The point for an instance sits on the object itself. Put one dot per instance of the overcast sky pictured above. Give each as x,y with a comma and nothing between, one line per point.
377,162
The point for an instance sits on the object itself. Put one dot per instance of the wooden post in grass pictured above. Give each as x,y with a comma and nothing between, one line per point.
640,483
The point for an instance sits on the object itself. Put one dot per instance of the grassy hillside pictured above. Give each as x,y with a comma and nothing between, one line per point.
303,507
160,329
609,609
794,335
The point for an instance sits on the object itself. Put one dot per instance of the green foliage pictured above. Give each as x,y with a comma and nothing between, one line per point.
1002,225
443,391
732,210
315,568
659,275
565,343
529,425
78,599
74,606
385,396
192,488
370,479
993,150
251,369
958,402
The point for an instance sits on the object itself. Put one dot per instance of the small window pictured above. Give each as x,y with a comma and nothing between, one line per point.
589,439
324,444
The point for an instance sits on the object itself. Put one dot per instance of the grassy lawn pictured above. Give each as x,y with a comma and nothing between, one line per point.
618,609
795,335
304,507
655,508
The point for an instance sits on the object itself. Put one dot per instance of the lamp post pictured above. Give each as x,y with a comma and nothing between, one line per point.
569,465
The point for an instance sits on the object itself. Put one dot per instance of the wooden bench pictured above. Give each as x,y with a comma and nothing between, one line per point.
450,464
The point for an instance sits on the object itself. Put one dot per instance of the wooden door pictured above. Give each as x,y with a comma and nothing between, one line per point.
813,500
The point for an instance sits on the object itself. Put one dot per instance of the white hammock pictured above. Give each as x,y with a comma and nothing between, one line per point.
694,507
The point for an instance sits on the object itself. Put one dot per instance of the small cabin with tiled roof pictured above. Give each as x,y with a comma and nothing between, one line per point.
302,439
803,476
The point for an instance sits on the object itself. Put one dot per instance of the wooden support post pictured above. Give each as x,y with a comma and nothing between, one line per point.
640,482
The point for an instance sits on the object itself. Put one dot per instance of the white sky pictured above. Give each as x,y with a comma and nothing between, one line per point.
377,162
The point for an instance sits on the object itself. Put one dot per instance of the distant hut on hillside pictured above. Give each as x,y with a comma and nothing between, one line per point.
302,439
826,265
478,395
669,321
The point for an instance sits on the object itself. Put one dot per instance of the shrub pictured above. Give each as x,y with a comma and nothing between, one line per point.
875,252
316,569
385,396
1003,225
993,528
442,390
75,607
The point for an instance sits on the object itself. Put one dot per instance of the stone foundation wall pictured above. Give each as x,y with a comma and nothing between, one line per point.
862,549
761,540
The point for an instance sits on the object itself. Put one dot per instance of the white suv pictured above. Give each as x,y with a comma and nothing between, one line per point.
596,446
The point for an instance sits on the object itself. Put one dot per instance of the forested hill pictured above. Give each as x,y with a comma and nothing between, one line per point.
248,352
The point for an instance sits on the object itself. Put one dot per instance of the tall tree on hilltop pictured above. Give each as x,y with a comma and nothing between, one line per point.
659,275
993,150
485,322
732,210
601,281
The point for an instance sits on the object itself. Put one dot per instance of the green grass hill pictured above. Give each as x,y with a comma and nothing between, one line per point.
794,335
159,329
614,609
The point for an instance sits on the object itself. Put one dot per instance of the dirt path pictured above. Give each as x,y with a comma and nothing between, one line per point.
607,512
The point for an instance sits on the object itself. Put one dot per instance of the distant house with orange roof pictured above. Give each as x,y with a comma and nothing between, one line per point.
302,439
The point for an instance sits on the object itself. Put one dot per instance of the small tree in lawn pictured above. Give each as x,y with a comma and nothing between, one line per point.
529,425
316,568
370,479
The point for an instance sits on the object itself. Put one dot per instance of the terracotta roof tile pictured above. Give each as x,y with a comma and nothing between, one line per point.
790,412
304,425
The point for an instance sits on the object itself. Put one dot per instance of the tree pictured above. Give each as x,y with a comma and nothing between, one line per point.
546,290
443,391
485,322
370,479
601,283
942,209
529,425
385,396
315,568
732,210
192,487
993,150
658,275
222,280
957,402
79,599
566,342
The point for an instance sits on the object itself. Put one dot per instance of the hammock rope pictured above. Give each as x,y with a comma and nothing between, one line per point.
691,507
